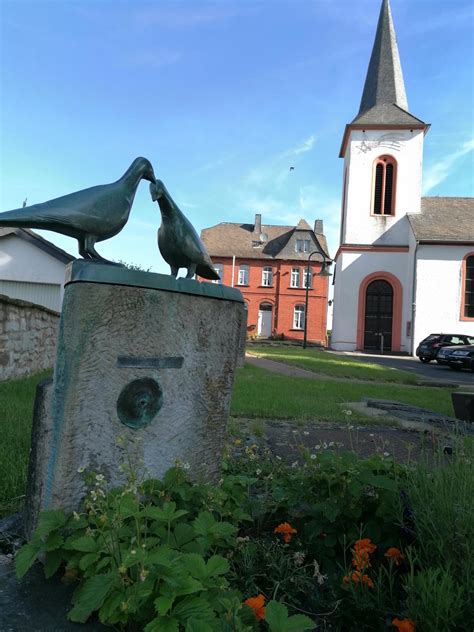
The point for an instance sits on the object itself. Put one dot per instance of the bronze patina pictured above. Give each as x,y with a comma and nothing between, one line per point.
90,215
179,243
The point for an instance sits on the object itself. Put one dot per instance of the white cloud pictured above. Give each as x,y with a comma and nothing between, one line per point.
442,169
306,145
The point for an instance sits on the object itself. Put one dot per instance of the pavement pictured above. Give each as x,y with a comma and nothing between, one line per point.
432,371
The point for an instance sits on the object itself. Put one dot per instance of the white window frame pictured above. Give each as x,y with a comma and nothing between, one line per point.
299,317
243,278
219,268
309,277
295,277
267,276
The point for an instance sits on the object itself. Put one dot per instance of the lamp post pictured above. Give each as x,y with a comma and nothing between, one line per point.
324,273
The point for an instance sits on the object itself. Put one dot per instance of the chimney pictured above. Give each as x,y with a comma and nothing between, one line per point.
258,224
318,227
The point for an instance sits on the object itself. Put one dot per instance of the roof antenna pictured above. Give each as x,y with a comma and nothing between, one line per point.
24,202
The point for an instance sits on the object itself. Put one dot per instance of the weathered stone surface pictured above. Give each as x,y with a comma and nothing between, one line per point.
101,323
27,337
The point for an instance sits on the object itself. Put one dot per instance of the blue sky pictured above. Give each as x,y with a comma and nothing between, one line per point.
223,98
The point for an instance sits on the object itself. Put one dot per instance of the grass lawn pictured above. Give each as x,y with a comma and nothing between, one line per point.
16,413
334,365
261,393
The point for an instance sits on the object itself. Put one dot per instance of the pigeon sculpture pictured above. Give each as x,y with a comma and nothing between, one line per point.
90,215
178,242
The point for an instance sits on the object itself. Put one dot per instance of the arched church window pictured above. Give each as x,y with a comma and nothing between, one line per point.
383,196
468,275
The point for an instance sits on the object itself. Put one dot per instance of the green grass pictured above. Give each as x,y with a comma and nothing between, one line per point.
16,413
261,393
333,365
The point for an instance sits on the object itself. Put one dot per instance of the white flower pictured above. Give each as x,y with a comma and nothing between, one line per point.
186,466
317,447
258,472
305,432
294,464
331,444
99,477
80,469
76,515
313,456
298,558
325,445
348,412
278,458
386,453
133,552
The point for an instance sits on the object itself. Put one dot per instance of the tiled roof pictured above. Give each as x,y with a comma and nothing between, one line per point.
444,219
277,242
39,242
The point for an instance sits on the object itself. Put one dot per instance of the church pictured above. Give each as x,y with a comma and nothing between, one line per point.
405,264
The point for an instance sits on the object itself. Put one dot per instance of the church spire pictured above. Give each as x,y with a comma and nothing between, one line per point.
384,82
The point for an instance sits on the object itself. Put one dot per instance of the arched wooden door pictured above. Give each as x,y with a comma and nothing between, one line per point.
378,316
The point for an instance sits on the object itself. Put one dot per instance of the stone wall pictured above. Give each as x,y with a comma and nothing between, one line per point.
27,337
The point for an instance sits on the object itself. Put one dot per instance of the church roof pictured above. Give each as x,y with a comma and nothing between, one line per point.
444,219
229,239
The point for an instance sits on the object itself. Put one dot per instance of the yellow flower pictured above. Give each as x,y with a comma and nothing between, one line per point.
258,606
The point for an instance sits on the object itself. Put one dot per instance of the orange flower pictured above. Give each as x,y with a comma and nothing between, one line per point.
395,554
258,606
404,625
357,577
286,530
361,553
365,545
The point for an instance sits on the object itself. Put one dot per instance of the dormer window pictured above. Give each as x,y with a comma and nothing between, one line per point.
302,245
383,197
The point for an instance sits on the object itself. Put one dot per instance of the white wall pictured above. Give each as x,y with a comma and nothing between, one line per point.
438,291
30,274
351,270
360,227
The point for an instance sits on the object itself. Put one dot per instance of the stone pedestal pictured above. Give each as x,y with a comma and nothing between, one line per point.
139,355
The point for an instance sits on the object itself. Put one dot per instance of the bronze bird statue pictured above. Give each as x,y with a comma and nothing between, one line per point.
179,243
90,215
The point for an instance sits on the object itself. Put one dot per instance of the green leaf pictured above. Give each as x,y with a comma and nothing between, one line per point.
193,607
25,558
53,562
182,535
91,596
85,543
195,564
111,607
195,625
49,521
204,523
163,624
88,559
54,541
217,565
163,604
276,615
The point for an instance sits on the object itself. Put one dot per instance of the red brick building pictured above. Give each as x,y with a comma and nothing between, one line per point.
268,265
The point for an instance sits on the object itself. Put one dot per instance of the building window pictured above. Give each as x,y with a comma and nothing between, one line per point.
295,277
267,277
469,287
298,317
383,198
307,278
219,268
302,245
243,275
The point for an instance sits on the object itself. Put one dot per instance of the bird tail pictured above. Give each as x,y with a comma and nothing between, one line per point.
206,272
20,218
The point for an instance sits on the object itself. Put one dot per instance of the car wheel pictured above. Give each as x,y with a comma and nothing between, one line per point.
439,361
425,360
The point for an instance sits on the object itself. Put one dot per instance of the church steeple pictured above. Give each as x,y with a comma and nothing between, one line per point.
384,82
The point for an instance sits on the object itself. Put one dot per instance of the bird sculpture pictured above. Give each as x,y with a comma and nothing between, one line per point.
90,215
178,242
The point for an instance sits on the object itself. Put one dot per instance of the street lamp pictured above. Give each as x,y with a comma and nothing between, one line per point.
324,272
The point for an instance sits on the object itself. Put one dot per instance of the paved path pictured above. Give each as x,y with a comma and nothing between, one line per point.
432,371
294,371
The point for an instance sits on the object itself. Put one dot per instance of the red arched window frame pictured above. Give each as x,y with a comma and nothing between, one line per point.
467,287
384,185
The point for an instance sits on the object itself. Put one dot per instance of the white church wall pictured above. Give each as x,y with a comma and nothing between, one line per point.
360,227
439,292
351,270
30,274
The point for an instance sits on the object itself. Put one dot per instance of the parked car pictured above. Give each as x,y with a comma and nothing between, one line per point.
429,347
462,358
444,353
